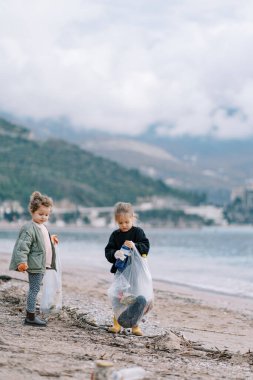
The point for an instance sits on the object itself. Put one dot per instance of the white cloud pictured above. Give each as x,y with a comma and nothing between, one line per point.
121,66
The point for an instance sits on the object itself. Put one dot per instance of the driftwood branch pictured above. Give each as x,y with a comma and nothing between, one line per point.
6,278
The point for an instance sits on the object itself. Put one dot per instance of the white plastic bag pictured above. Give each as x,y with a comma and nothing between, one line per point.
131,293
51,298
132,373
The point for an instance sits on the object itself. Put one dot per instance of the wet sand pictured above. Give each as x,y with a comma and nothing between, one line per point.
189,334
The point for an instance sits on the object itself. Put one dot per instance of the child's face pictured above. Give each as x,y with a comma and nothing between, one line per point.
125,222
41,215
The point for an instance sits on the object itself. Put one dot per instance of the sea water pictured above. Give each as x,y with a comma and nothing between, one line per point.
214,258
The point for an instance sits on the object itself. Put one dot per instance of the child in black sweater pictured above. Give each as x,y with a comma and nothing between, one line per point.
129,235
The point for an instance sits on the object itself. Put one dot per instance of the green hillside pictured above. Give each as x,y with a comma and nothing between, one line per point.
65,171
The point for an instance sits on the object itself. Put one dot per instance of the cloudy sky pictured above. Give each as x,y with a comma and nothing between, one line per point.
116,65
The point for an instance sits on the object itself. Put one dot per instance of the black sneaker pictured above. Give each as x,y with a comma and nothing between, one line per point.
35,322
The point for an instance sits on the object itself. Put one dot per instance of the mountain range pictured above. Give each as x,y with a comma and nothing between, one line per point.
203,164
66,171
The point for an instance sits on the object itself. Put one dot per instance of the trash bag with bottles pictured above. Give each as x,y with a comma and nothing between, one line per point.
131,292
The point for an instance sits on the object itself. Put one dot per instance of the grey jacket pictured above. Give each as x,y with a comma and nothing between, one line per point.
30,249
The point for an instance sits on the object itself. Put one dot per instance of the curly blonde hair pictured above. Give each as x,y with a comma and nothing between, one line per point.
37,199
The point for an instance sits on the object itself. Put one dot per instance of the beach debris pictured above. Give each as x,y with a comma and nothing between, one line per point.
103,370
249,357
14,295
167,342
218,354
81,318
5,277
131,373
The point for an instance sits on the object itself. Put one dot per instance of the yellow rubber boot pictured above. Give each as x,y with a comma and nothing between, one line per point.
116,327
137,331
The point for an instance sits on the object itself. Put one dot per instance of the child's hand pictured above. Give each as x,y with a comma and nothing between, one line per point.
129,244
54,239
22,267
119,255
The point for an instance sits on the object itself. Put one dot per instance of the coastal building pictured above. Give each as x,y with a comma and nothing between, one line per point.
10,210
245,194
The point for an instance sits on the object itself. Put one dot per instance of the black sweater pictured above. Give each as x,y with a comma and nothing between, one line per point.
117,239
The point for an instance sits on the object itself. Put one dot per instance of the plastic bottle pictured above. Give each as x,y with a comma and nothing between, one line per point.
102,370
132,373
121,264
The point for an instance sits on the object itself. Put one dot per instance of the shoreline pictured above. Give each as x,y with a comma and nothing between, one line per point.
231,302
203,290
75,228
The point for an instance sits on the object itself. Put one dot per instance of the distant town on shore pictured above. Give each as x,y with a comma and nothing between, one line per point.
153,212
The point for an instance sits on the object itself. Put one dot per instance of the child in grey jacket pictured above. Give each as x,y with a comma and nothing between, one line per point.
34,252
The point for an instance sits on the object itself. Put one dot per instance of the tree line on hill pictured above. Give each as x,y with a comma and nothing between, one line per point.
65,171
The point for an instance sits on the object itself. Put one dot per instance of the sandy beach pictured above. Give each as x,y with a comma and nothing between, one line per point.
189,334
